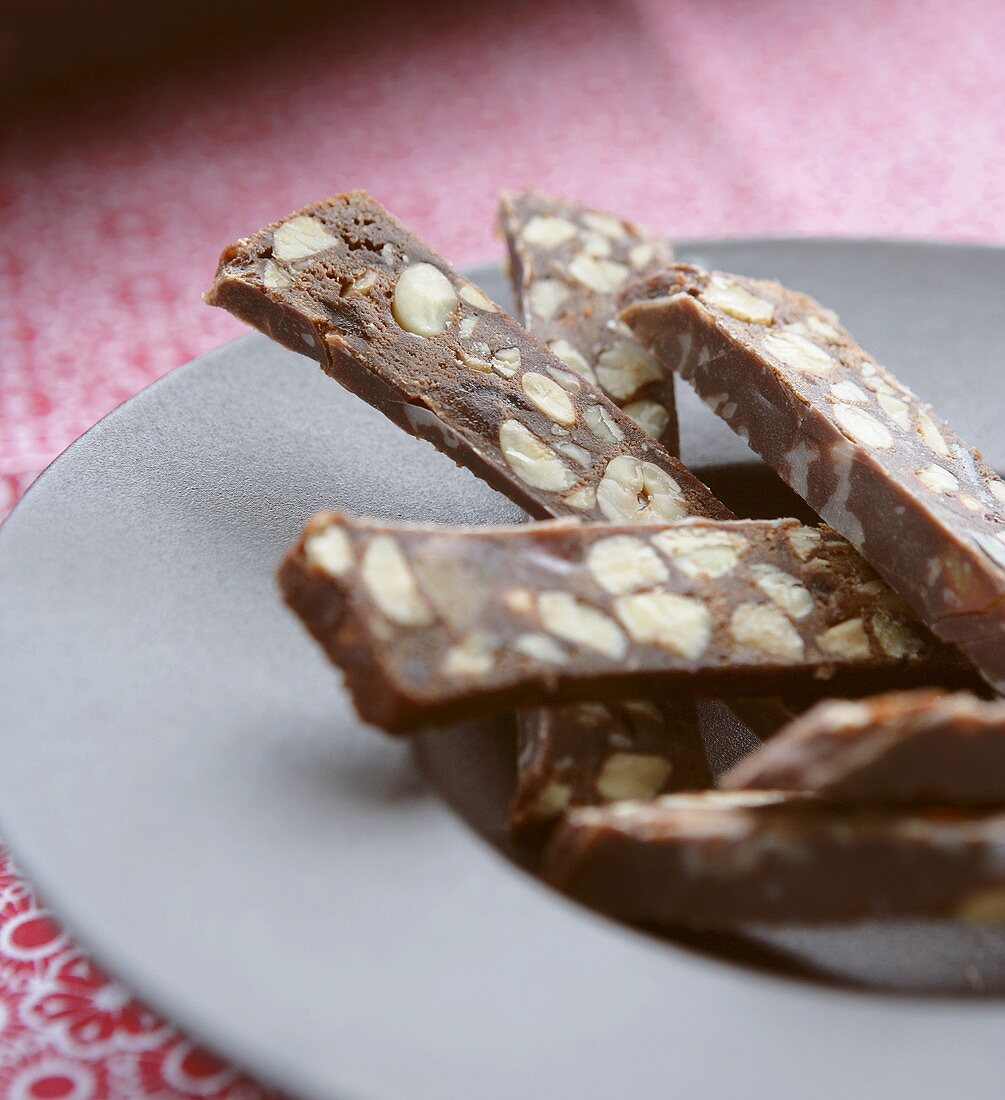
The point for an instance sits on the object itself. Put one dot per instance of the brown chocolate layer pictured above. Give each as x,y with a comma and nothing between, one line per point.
567,262
346,283
435,624
908,747
716,859
920,504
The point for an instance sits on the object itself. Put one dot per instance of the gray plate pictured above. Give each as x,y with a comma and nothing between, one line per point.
184,779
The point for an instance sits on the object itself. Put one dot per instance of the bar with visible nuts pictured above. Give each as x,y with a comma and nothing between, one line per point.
719,858
346,283
920,504
588,753
906,747
433,624
567,261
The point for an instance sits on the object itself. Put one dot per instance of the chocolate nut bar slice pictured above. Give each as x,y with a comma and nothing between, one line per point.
588,753
920,504
345,282
716,859
567,262
434,624
899,748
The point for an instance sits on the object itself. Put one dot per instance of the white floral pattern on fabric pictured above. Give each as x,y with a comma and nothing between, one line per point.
81,1012
43,1075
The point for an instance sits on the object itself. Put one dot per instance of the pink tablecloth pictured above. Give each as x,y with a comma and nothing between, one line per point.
697,117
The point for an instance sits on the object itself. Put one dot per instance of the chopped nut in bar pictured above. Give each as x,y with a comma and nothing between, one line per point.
563,611
867,454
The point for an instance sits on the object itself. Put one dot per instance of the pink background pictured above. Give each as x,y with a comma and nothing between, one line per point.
724,117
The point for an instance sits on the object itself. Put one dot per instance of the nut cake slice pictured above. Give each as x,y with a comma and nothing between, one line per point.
432,624
718,858
345,282
915,746
567,262
920,504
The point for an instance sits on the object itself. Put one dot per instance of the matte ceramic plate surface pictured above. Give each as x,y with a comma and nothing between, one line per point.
185,781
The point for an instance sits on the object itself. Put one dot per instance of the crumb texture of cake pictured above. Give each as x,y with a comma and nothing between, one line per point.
905,747
718,859
435,623
860,448
346,283
567,264
585,754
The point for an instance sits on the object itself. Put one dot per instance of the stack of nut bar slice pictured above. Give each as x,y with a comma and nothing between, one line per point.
637,591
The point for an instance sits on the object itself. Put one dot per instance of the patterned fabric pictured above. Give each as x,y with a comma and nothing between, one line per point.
695,118
67,1031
